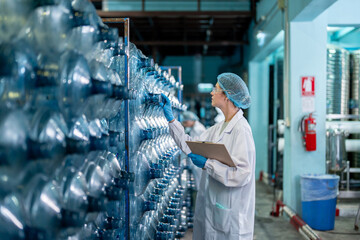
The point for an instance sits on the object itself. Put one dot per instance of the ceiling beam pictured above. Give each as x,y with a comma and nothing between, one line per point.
192,27
174,14
198,19
190,43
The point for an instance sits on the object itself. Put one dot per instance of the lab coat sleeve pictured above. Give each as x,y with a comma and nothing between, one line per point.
178,134
242,152
198,129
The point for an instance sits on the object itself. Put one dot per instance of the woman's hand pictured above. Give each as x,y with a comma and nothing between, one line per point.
198,160
166,104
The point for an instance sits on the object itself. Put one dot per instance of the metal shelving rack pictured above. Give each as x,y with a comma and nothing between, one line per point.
126,22
169,69
127,128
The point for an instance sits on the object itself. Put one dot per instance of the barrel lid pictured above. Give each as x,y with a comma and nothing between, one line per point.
320,176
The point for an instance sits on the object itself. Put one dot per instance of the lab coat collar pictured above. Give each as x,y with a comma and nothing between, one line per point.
230,126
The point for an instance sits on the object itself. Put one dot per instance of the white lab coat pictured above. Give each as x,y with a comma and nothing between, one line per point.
196,131
227,194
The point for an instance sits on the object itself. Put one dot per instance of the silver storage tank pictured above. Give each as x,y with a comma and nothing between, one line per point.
335,149
338,80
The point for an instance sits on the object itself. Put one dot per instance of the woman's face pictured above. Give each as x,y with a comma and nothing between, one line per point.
218,98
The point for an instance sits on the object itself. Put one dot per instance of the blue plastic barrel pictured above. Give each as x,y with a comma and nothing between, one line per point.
318,196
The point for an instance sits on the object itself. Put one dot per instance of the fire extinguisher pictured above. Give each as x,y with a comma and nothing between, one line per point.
308,130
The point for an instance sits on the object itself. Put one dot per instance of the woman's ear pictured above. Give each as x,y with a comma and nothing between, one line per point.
225,96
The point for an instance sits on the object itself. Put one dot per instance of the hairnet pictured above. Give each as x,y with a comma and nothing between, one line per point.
235,89
189,116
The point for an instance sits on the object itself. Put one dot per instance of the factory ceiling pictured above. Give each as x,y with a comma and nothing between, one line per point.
181,28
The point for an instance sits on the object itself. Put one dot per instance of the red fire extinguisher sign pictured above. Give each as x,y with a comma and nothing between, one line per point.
308,86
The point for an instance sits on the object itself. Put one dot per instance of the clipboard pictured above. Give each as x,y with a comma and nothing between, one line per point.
211,150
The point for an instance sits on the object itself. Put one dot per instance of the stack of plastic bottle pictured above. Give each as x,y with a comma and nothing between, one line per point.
62,130
158,203
61,123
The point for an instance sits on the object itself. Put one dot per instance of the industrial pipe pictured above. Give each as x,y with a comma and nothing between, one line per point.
295,220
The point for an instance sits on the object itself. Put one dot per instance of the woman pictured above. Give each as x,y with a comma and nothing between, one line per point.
227,193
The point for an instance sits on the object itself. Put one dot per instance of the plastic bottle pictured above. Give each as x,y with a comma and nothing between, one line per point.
143,173
17,73
14,136
47,28
14,14
12,217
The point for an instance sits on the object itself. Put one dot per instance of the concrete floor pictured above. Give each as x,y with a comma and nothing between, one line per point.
269,228
344,229
344,224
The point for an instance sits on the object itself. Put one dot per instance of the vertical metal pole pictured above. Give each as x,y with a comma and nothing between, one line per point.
270,156
275,118
127,120
347,175
287,98
126,22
